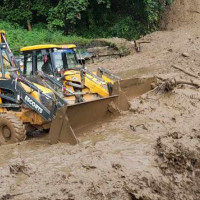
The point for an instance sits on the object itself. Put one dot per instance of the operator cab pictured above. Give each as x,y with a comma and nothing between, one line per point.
51,59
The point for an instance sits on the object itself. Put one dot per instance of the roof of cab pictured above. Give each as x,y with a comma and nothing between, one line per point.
48,46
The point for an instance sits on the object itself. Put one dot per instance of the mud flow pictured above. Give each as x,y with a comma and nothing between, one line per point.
149,152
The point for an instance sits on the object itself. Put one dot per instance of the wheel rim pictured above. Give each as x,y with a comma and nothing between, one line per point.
6,132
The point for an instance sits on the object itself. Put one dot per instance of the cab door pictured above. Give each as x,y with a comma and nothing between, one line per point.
30,65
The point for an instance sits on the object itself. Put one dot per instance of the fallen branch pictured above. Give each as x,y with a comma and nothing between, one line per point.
185,71
9,196
194,11
144,42
160,78
170,84
15,169
137,44
188,83
133,128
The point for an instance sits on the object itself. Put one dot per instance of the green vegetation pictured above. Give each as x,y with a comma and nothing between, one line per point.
29,22
19,37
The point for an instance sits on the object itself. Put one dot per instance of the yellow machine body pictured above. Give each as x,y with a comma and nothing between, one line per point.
99,103
26,115
2,32
94,87
48,46
93,84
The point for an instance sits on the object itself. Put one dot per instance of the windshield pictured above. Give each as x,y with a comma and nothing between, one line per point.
66,59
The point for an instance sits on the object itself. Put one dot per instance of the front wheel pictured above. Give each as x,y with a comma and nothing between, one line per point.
12,129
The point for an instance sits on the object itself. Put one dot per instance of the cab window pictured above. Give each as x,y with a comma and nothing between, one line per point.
44,63
65,59
37,61
40,61
28,64
6,61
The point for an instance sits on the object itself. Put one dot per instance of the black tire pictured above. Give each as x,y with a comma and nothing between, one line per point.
12,129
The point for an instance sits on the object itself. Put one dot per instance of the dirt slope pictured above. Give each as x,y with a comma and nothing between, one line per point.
181,12
150,152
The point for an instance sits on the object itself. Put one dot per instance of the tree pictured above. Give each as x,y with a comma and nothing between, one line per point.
91,18
23,11
17,11
65,13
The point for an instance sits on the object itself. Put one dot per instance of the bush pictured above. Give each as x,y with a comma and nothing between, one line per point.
127,28
19,37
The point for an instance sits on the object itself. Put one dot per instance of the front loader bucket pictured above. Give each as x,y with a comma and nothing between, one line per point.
71,120
135,87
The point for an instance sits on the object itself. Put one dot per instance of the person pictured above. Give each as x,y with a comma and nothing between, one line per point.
46,67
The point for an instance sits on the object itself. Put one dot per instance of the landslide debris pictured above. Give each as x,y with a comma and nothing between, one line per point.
148,153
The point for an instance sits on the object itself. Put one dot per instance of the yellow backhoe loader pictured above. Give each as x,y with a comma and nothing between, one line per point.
58,67
90,96
23,105
63,100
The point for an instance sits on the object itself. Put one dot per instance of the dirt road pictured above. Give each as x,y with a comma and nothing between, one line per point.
151,152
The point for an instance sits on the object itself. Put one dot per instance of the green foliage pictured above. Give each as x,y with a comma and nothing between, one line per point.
106,2
86,18
66,11
17,11
19,37
24,11
127,28
41,7
153,11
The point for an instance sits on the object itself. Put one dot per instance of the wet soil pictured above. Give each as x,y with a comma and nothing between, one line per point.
150,152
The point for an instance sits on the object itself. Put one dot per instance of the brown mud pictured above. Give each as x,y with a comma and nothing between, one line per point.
151,152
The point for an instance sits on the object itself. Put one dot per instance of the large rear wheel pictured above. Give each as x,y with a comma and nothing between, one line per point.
12,129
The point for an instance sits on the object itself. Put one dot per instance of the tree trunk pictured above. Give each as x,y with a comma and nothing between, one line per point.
66,28
29,26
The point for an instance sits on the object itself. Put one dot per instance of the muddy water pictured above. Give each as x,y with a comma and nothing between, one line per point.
101,131
9,152
138,72
115,160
